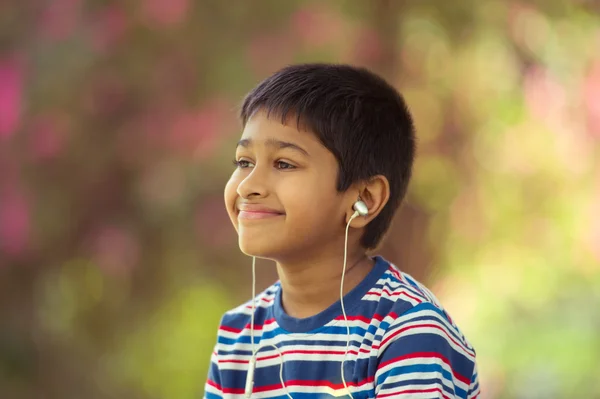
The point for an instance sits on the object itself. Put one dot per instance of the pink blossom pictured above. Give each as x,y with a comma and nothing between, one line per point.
105,95
369,48
11,93
195,132
108,27
115,250
142,137
591,99
14,223
267,53
545,96
60,18
165,12
317,25
47,138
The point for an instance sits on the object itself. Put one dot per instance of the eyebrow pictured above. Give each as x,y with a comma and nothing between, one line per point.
274,143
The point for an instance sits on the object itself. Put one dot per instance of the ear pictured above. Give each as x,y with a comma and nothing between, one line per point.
375,193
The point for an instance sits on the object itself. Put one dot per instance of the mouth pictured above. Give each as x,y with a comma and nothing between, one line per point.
247,211
257,215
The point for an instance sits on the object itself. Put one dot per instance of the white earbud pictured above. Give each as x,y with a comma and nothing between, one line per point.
361,208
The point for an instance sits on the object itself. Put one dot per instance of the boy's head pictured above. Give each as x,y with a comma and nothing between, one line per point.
316,137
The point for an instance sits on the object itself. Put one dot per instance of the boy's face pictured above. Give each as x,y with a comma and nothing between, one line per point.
281,198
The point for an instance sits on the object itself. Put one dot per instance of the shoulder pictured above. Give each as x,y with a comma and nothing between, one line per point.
421,342
414,311
401,289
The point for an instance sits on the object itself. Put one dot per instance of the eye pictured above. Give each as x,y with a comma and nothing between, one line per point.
242,163
284,165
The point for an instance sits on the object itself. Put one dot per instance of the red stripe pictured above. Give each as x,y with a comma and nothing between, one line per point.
414,391
233,361
396,273
397,293
267,300
291,352
247,327
306,352
230,329
309,383
213,384
364,319
427,355
260,327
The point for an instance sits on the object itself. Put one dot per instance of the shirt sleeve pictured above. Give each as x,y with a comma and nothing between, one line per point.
422,355
212,388
474,390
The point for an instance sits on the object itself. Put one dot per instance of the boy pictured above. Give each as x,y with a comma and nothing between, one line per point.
322,165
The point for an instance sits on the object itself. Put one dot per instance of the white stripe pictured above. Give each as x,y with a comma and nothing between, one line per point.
273,325
377,298
277,339
246,308
420,361
413,376
274,355
416,395
325,390
212,389
428,330
474,394
441,322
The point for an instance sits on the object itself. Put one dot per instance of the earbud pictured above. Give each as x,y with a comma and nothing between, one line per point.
361,208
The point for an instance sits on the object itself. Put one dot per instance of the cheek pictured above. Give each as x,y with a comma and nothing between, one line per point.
312,207
230,196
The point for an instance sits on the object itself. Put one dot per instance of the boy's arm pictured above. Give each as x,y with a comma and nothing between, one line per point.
212,388
421,356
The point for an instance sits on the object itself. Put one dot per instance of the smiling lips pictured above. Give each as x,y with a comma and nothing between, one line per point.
252,212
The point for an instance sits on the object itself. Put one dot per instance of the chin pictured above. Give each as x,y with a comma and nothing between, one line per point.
260,248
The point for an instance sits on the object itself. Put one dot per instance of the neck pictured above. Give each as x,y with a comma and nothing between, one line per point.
311,285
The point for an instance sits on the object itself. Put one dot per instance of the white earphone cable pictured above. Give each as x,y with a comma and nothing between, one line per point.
251,366
342,303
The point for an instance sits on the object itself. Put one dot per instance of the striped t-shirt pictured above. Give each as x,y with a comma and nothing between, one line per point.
403,345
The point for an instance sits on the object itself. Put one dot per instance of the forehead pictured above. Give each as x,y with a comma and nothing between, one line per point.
263,128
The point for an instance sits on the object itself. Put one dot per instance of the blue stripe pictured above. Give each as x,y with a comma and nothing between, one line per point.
420,368
426,383
408,287
410,344
430,307
210,395
334,330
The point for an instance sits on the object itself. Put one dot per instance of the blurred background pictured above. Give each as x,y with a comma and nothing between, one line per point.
118,126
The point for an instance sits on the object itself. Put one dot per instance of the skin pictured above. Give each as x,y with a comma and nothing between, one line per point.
282,201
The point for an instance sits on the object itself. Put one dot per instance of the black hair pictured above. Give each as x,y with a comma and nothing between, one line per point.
357,116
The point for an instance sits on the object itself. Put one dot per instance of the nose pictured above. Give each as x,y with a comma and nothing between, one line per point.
254,185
